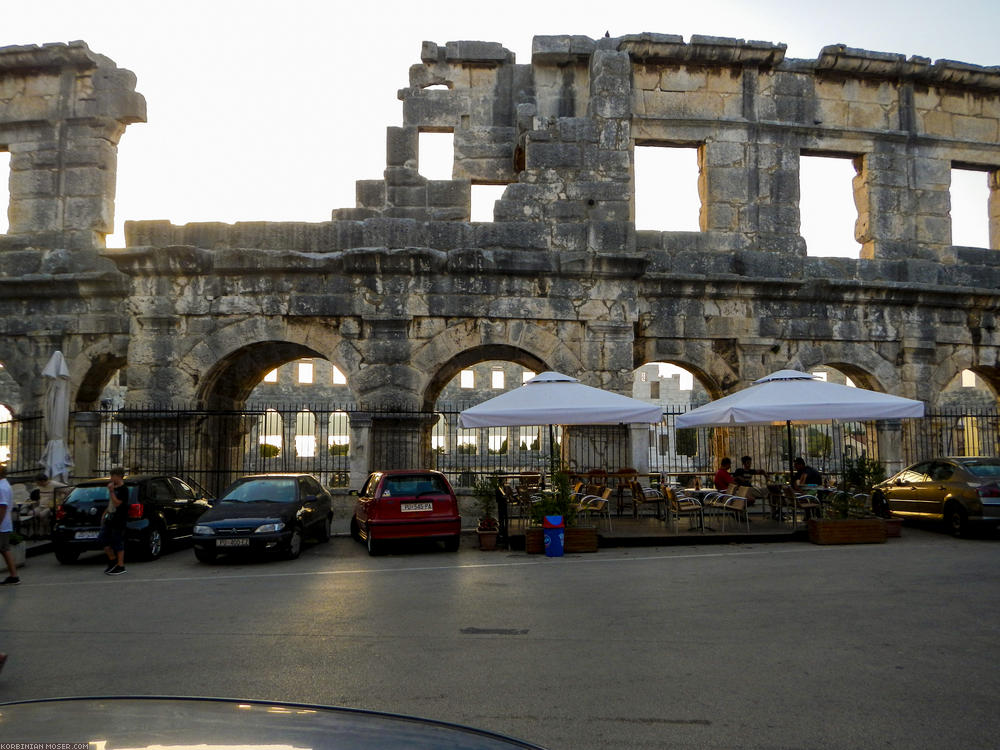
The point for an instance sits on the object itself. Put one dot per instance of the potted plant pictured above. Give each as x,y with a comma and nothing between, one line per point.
848,517
558,502
488,526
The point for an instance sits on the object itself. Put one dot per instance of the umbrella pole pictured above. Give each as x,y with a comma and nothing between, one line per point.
791,471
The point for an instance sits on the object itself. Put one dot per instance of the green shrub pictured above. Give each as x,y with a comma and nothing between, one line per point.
267,450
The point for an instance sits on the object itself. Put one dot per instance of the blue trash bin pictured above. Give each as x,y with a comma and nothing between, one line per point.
553,529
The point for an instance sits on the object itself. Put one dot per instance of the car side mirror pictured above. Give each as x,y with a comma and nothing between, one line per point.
901,482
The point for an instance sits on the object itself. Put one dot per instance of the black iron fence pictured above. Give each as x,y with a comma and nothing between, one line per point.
213,447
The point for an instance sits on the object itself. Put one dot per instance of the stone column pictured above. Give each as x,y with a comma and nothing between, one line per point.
86,443
994,209
360,435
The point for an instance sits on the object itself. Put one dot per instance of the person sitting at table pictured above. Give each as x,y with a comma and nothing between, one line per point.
743,477
804,475
722,477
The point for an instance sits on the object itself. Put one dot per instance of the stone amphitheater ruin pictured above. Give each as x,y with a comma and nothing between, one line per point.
402,290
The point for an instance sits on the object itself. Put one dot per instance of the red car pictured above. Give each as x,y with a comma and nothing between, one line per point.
406,504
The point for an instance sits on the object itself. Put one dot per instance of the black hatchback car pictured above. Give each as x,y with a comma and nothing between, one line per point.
265,513
161,509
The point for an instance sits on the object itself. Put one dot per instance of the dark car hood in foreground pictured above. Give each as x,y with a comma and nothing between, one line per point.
262,512
141,722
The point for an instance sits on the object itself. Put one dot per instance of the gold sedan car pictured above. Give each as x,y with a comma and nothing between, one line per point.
960,491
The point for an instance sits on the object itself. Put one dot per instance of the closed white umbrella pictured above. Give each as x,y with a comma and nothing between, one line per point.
56,459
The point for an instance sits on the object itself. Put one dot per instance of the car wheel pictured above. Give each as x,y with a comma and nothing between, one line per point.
205,555
954,518
66,556
294,544
325,529
451,544
355,529
152,543
374,548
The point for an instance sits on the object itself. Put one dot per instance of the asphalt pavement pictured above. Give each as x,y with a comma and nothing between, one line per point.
785,645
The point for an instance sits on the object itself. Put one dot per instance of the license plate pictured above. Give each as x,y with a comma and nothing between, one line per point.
85,535
232,542
411,507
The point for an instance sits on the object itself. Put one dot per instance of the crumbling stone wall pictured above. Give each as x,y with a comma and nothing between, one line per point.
402,290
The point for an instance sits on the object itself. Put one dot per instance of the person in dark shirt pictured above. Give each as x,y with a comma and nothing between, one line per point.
114,522
804,475
744,478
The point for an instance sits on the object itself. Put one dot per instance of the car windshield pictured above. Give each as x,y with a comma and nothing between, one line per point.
96,494
413,485
262,491
982,467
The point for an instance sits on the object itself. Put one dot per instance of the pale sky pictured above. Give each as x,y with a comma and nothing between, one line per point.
269,111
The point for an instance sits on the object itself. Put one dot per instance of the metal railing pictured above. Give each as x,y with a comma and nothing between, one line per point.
213,447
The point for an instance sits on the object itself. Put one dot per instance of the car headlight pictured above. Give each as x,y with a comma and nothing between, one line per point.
269,528
204,530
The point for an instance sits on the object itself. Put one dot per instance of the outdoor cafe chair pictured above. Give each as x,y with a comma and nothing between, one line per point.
680,505
597,503
735,506
641,495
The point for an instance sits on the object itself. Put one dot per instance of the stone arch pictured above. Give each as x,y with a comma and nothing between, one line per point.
252,348
98,365
962,359
713,371
861,363
469,342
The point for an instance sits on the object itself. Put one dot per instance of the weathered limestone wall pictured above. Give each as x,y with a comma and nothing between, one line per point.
402,290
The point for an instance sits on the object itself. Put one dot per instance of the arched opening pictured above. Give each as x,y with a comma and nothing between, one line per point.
964,419
677,390
6,432
468,379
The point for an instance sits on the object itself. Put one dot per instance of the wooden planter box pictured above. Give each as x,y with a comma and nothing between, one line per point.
576,539
893,527
847,531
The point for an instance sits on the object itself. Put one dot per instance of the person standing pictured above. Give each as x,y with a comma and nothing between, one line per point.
114,522
7,528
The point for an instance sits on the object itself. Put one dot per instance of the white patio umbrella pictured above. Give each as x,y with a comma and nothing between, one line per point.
789,396
554,398
56,459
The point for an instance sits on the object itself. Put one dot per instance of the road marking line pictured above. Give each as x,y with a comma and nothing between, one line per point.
425,568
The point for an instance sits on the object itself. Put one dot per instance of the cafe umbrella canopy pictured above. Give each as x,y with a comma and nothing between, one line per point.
553,398
790,396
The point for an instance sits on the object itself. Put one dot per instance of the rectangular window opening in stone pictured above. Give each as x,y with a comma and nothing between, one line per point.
435,155
526,376
305,373
667,198
970,206
467,379
271,377
828,213
483,199
496,380
338,377
4,190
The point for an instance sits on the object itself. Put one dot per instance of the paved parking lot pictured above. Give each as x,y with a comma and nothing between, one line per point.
747,645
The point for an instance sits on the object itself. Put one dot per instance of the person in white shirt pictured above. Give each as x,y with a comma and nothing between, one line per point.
7,528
